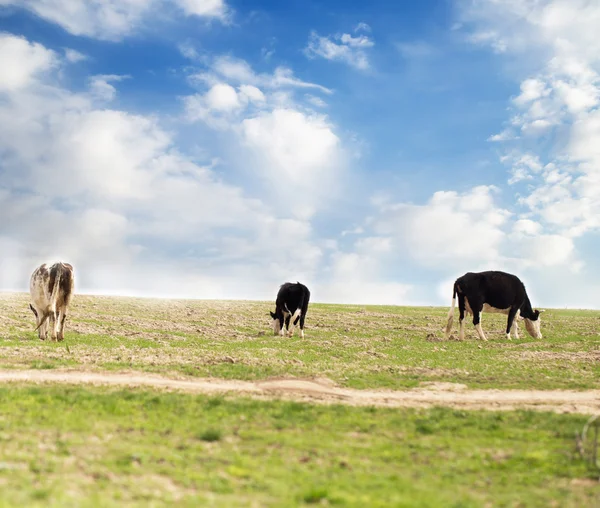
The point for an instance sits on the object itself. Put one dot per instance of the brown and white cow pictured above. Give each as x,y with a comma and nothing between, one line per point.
51,287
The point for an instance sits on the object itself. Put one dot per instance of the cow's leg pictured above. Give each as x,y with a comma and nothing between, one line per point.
302,316
476,308
515,325
293,322
62,316
53,324
461,317
43,327
40,321
512,313
286,319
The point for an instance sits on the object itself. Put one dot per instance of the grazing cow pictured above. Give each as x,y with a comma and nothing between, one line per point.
51,288
493,292
290,306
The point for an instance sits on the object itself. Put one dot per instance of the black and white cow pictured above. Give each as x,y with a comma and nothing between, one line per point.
290,306
51,288
493,292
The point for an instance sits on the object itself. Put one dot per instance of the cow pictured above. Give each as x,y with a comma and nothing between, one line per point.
290,306
493,291
51,288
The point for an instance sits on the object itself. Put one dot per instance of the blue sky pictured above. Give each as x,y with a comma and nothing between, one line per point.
375,151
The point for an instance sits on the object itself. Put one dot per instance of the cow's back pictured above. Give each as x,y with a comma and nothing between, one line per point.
294,293
38,287
52,280
66,284
498,289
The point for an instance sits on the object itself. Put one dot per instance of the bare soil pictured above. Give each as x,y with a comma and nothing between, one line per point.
325,391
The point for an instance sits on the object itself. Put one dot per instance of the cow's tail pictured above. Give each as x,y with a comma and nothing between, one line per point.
44,317
302,305
451,312
55,289
305,301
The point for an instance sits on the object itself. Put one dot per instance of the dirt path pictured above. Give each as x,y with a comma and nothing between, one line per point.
325,391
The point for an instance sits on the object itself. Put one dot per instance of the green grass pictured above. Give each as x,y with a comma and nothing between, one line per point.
97,447
356,346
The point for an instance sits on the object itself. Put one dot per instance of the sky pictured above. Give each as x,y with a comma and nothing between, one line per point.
374,151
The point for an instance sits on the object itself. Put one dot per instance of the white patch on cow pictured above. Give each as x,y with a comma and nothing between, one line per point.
292,320
480,330
508,336
534,327
494,310
515,325
276,326
284,325
301,334
461,333
468,309
450,318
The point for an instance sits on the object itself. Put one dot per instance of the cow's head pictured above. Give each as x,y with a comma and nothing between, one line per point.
277,317
533,325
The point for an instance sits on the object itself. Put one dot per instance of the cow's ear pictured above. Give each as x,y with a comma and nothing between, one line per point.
272,314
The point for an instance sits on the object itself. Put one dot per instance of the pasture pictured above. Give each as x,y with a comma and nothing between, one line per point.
97,447
92,446
354,346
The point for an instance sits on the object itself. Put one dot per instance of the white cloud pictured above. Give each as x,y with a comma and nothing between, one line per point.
531,89
268,51
252,94
360,41
237,71
362,27
292,143
74,56
188,50
527,227
101,88
450,234
451,228
315,101
560,99
341,47
222,105
547,250
119,199
222,97
208,8
21,61
489,38
505,135
288,148
96,18
360,276
298,154
111,19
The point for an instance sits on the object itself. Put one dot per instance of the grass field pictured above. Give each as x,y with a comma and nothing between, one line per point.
91,446
355,346
96,447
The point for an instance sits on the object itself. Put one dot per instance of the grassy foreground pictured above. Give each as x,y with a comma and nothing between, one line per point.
96,447
356,346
